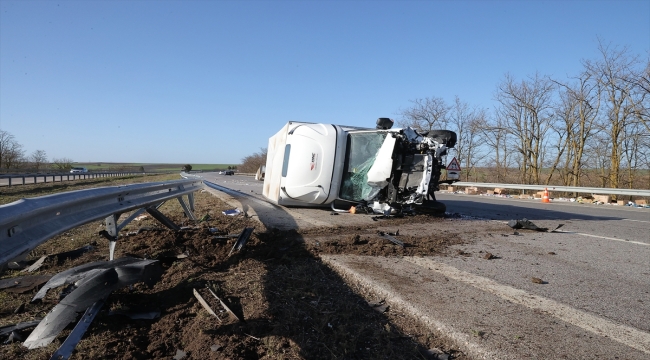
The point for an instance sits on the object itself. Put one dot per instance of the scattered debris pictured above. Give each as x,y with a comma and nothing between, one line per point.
72,254
538,281
435,354
232,212
489,256
527,224
23,284
224,305
205,304
66,349
391,238
242,239
20,309
14,330
80,272
141,217
180,354
205,217
463,253
551,253
137,315
379,306
216,347
36,265
213,230
92,285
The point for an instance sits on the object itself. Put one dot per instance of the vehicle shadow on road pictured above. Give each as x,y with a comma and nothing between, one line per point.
310,305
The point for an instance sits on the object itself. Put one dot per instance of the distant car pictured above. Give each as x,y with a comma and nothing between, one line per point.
78,170
220,172
229,172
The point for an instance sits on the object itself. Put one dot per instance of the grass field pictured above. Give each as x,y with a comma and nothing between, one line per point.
148,167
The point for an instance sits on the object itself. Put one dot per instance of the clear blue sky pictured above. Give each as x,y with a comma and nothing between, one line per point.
210,81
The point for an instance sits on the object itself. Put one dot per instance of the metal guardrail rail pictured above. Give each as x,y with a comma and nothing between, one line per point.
27,223
568,189
10,179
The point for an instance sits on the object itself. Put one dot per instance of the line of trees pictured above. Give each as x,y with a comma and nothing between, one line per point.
590,129
14,158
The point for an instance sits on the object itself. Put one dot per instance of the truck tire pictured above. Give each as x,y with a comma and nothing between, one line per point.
446,137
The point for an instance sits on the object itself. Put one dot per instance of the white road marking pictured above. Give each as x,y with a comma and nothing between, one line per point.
627,335
603,237
643,221
596,236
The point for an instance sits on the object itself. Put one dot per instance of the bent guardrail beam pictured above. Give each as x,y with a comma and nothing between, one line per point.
568,189
27,223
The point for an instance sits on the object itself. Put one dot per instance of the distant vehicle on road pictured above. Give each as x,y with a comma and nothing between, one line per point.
78,170
229,172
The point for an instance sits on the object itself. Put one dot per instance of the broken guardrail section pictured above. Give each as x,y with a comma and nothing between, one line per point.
27,223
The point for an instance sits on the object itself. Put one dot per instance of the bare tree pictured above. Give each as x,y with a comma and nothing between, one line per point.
62,164
616,75
578,110
426,114
496,137
12,154
251,163
525,107
38,160
466,122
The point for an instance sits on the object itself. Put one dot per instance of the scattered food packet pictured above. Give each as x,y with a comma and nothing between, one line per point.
231,212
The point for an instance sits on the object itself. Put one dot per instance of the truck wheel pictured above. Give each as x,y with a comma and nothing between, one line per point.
446,137
432,207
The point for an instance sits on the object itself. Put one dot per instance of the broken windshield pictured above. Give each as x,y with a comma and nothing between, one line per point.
360,155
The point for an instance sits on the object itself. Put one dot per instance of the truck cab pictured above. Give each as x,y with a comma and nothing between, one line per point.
342,166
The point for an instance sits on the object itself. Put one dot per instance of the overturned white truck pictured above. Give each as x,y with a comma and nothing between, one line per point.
386,170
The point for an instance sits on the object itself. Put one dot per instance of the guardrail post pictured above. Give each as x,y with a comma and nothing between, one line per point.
111,233
10,181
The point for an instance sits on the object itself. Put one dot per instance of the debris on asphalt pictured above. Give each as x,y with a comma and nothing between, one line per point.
390,238
462,253
242,239
23,284
232,212
538,281
489,256
527,224
551,253
93,283
205,304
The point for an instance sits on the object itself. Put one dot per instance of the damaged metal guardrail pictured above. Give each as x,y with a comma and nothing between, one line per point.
567,189
27,223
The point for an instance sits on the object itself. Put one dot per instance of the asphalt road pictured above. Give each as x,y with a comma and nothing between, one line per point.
593,302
